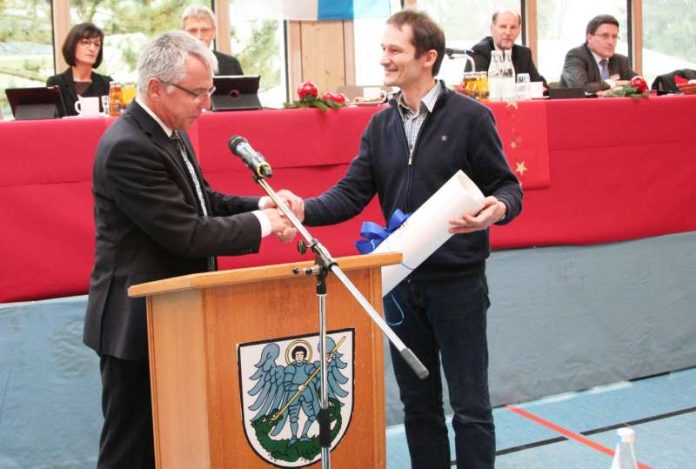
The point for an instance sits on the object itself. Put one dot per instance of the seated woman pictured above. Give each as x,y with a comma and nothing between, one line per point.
82,50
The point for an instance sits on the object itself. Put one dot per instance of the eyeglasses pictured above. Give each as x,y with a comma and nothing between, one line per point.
607,36
202,30
90,42
198,95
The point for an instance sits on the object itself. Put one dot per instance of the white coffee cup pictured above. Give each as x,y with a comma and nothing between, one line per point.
374,93
87,105
537,89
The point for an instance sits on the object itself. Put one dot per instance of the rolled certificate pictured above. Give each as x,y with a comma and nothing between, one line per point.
428,227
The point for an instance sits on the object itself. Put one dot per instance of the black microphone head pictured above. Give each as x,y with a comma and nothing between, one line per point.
451,52
235,142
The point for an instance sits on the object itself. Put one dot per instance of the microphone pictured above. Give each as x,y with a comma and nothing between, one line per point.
451,52
253,159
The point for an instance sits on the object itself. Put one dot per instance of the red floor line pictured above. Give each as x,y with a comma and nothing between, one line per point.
567,433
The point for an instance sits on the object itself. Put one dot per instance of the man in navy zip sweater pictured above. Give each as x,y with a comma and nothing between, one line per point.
407,152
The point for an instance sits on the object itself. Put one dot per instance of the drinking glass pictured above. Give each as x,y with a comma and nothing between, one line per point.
105,104
470,84
128,93
482,86
523,88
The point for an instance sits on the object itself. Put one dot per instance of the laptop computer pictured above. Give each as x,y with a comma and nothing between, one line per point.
566,93
36,103
236,92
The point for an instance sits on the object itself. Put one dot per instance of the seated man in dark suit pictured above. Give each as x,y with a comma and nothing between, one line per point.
595,65
155,216
506,25
201,22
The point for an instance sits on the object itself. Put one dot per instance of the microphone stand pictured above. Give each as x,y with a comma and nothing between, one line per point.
324,264
457,53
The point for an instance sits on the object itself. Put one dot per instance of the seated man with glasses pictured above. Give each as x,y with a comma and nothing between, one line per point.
201,22
595,65
155,217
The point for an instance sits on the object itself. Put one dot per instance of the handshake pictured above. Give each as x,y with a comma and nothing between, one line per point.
280,225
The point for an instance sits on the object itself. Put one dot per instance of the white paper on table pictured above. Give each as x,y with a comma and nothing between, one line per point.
428,227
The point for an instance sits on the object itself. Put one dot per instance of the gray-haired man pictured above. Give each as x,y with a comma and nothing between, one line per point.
155,217
200,21
506,26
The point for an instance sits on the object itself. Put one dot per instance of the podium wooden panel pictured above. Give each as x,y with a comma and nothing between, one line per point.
195,325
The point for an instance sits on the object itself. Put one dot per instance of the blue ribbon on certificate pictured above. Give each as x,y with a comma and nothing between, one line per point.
373,234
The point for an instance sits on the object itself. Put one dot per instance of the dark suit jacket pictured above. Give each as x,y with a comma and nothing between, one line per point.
99,87
521,59
580,70
149,226
666,81
228,65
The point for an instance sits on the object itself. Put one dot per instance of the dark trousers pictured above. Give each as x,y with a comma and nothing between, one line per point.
447,319
126,438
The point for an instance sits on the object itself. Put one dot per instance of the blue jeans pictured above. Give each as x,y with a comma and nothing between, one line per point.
447,319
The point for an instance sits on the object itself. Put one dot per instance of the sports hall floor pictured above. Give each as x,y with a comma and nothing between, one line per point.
578,430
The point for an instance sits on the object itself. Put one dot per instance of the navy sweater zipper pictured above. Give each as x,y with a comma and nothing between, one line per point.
410,169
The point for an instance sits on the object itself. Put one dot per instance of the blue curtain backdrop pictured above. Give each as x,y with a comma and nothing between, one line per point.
311,9
349,9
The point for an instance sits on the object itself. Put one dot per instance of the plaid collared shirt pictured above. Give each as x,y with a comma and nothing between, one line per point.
413,121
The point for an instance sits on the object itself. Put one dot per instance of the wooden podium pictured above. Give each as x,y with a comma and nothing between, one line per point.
201,328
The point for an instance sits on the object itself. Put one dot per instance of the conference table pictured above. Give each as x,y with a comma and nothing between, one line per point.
593,171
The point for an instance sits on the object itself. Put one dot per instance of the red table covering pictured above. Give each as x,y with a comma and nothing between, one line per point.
594,171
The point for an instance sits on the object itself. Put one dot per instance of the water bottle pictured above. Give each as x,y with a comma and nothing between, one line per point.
625,456
508,86
495,76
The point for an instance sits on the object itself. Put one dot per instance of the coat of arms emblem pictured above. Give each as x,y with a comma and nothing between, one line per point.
280,395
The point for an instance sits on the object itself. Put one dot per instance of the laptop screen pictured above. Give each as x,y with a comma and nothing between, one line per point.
36,103
566,93
236,92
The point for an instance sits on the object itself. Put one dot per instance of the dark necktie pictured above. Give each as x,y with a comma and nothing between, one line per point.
604,69
187,161
183,151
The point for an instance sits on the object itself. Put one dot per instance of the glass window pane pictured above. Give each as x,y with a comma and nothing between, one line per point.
465,23
128,26
259,44
668,36
368,36
26,46
562,27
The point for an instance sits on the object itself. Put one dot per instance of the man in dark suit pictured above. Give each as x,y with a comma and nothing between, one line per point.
227,65
156,217
505,28
201,22
595,65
